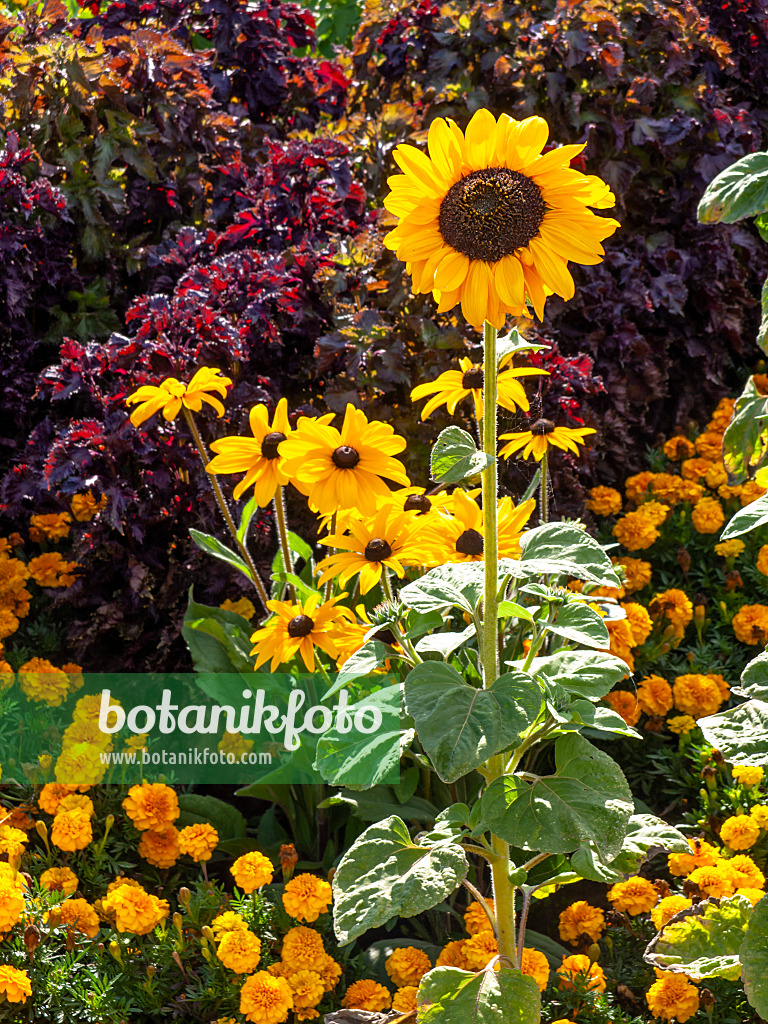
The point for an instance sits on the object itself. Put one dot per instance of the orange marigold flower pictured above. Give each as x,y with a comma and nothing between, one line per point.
452,955
72,830
604,501
636,487
654,695
762,560
536,966
11,899
681,724
708,515
697,695
678,447
746,874
750,624
695,469
39,680
251,871
367,995
303,949
84,506
53,526
475,918
579,965
674,606
404,1000
151,805
308,990
667,908
160,847
198,841
265,999
59,880
15,985
407,965
79,916
636,531
480,949
307,897
716,476
240,951
672,996
703,854
750,492
717,881
80,765
637,573
9,623
622,640
636,895
666,487
51,570
639,621
136,911
740,831
581,919
229,921
51,796
625,704
709,445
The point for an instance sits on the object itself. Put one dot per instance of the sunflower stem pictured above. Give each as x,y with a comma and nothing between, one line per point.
386,586
224,508
503,891
282,531
331,532
544,489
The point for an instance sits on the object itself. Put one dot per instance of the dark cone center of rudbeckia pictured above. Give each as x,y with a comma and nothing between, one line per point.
541,427
491,213
377,550
473,379
345,457
417,503
470,543
300,625
270,444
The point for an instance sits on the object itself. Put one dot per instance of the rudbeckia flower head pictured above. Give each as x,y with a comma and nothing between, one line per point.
298,629
453,386
172,394
543,435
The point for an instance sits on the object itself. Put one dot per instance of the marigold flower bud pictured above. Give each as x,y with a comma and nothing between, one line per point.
42,830
116,952
184,895
208,934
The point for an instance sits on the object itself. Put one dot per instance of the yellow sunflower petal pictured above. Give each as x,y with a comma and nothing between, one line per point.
510,282
480,137
452,271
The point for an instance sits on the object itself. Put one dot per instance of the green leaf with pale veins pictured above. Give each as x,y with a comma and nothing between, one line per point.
587,800
741,734
455,457
565,550
645,834
448,995
585,673
384,874
579,624
739,191
754,959
754,678
747,519
704,940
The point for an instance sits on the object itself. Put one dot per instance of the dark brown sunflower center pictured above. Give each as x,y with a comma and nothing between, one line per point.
417,503
377,550
470,543
541,427
473,379
491,213
300,625
345,457
270,443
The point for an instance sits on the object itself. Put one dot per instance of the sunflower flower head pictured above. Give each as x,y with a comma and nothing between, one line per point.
487,221
169,396
543,435
454,386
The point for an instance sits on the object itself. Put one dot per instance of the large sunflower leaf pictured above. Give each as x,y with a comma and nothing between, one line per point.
455,457
744,442
754,678
584,673
741,734
739,191
564,549
645,834
704,940
448,995
754,959
747,519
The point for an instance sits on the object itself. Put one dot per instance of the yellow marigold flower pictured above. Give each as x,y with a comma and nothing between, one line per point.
753,895
371,545
407,965
242,607
730,548
578,965
39,680
760,814
475,918
459,537
716,476
452,955
151,805
604,501
672,997
747,875
172,394
240,951
542,436
636,487
198,841
136,911
681,724
85,507
750,624
160,847
678,447
695,469
635,531
747,775
80,765
15,985
625,704
251,871
71,830
51,570
762,560
308,990
228,921
717,881
79,916
453,386
536,966
654,695
9,623
708,516
479,949
306,897
343,469
739,832
54,526
297,629
667,908
51,796
696,695
367,995
636,895
234,743
673,605
86,732
59,880
265,999
703,854
75,676
750,492
709,445
404,1000
724,409
11,902
489,222
12,841
303,949
637,573
329,971
579,919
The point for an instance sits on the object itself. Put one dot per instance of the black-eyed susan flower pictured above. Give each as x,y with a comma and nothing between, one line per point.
459,537
256,456
453,386
298,628
487,221
172,394
373,544
343,469
542,436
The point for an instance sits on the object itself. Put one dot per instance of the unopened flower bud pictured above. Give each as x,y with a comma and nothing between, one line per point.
177,922
206,954
717,756
31,939
116,952
42,830
593,952
707,999
151,971
184,895
289,858
208,934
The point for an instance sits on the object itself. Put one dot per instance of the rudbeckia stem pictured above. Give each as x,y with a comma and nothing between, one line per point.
282,530
224,508
544,489
503,890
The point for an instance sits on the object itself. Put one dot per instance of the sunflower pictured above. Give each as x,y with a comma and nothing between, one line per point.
343,469
383,540
543,435
172,394
487,221
257,457
459,537
298,628
453,386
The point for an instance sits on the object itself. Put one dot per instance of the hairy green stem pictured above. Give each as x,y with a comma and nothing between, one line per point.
282,532
544,489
